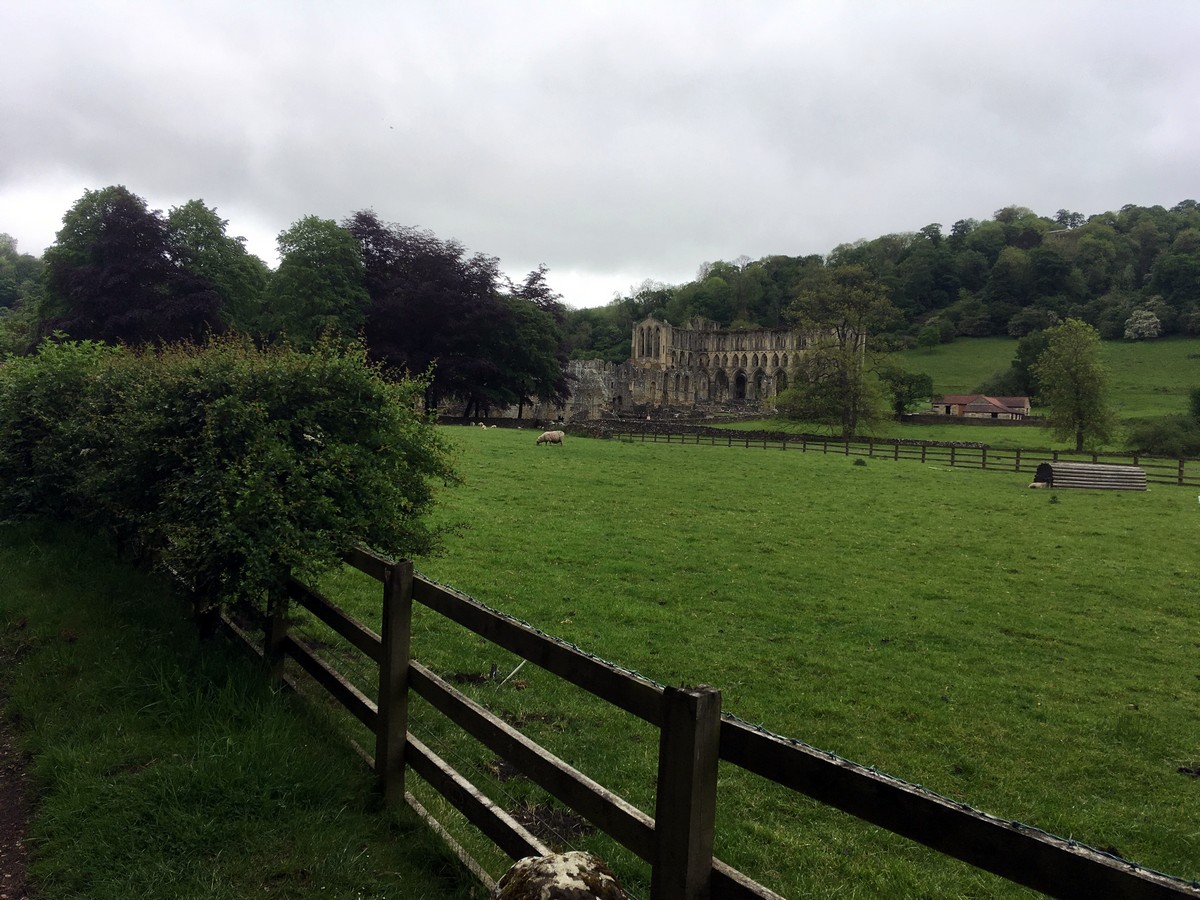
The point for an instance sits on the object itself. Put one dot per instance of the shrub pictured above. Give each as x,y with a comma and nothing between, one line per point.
1171,436
230,465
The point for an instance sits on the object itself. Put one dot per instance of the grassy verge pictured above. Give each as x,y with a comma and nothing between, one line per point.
165,766
1027,652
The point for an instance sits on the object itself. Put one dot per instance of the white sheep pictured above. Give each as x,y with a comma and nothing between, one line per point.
551,437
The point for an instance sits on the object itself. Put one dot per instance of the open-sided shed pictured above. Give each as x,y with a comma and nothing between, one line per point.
1097,476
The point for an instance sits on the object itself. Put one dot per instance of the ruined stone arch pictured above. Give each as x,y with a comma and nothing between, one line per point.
702,388
760,384
780,382
739,385
783,361
687,387
775,360
745,362
721,386
657,342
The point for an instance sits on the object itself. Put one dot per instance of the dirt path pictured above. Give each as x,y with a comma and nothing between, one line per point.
14,808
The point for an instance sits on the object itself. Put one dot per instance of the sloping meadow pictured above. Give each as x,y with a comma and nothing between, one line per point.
1030,653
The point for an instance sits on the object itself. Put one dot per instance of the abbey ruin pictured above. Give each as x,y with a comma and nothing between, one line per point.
700,366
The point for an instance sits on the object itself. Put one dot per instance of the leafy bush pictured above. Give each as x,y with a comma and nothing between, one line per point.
229,464
1171,436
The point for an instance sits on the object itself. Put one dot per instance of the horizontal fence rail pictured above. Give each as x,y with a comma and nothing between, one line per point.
678,840
1184,472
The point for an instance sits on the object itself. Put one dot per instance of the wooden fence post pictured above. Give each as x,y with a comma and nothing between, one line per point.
391,726
276,632
1017,464
924,447
685,809
951,454
983,458
1181,471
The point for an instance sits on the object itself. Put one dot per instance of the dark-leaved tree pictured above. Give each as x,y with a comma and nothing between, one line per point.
114,275
434,307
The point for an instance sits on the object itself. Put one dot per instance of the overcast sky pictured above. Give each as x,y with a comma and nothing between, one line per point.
613,141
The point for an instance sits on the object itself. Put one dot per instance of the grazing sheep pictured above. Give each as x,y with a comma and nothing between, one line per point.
1039,484
481,425
551,437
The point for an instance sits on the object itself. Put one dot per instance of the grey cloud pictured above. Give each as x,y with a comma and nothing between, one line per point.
605,139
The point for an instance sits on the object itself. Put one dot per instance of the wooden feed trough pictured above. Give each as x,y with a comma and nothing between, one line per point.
1096,476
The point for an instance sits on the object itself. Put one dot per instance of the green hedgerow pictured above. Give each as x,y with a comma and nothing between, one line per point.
230,464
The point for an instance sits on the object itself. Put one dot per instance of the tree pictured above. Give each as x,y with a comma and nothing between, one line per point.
318,288
1074,385
20,293
1142,325
114,275
907,389
432,306
198,236
1064,218
929,337
835,383
538,367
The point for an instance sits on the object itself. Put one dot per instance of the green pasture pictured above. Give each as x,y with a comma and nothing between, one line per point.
1031,653
1006,437
1146,378
164,765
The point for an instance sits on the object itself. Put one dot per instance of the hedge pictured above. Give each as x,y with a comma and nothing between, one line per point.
230,465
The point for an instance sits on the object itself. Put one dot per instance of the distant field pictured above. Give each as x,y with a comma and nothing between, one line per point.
1030,653
1150,378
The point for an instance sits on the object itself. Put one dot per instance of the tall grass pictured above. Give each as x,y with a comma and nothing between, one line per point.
165,766
1030,653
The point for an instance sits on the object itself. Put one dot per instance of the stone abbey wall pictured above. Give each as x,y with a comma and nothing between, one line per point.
690,368
693,369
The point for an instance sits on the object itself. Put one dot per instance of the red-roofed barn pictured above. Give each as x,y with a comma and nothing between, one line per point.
980,406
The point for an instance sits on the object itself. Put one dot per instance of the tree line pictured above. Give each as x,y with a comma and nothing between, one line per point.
120,272
1134,272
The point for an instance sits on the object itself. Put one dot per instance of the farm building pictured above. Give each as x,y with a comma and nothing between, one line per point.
979,406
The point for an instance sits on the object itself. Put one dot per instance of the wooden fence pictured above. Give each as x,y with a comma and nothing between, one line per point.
694,735
1158,471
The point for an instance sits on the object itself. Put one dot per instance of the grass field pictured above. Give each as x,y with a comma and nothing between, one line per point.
1030,653
1146,378
166,766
